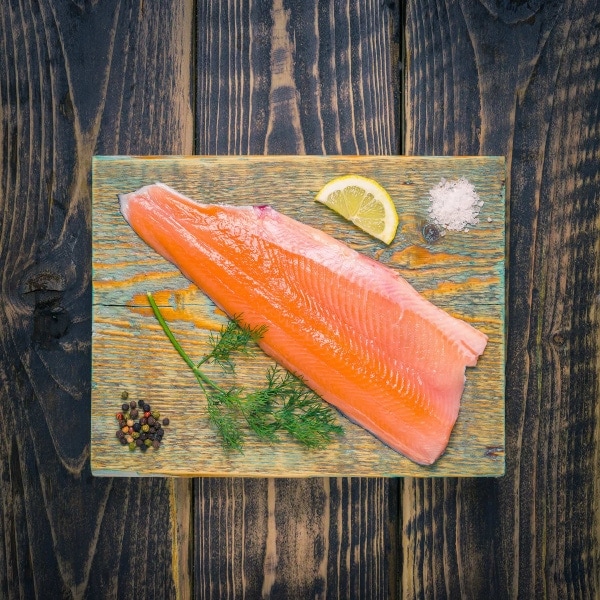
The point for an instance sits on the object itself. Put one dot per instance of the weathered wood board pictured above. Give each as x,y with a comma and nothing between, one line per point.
462,272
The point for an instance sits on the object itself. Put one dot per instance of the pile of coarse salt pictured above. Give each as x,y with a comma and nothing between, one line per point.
455,204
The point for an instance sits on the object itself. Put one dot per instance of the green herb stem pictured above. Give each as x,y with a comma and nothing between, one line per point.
202,378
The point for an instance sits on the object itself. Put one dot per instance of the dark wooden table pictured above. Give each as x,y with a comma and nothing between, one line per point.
454,77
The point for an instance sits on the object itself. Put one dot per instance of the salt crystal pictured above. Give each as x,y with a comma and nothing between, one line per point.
454,204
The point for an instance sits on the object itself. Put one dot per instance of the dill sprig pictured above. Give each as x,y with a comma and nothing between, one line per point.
285,403
234,337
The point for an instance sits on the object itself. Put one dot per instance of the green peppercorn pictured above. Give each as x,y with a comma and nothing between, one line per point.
124,395
135,435
132,445
156,414
148,443
145,428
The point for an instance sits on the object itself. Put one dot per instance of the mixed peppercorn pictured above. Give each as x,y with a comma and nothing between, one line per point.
139,425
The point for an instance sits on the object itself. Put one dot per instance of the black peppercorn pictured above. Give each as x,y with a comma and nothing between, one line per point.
125,406
151,421
165,421
146,408
156,444
133,404
137,427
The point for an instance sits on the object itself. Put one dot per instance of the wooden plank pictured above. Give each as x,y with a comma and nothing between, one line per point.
520,80
461,271
76,78
331,545
342,64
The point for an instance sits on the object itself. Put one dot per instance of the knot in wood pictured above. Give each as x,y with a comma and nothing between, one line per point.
431,233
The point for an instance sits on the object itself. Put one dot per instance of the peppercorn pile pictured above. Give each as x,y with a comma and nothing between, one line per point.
139,425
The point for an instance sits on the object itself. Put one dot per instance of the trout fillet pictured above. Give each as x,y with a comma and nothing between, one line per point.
357,333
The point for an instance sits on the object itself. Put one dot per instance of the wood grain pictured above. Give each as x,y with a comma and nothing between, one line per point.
342,62
76,78
324,548
520,79
291,77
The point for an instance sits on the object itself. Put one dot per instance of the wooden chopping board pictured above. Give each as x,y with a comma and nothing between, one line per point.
460,271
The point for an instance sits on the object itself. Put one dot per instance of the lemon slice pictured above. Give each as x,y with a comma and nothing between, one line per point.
364,202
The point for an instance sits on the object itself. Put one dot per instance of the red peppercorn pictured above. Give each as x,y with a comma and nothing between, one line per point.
119,416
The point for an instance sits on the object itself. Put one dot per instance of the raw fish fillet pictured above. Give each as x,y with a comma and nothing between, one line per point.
359,334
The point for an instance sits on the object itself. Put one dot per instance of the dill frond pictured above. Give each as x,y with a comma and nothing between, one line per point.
233,337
